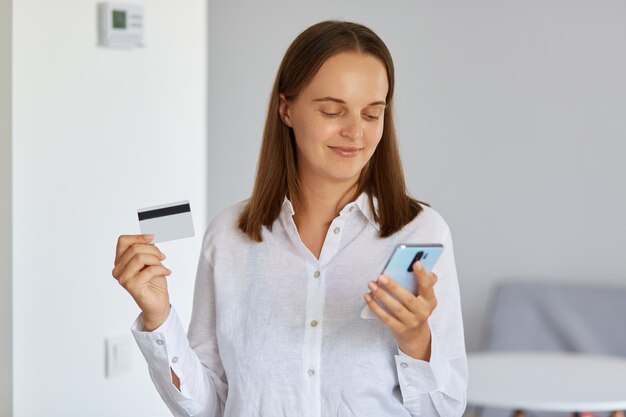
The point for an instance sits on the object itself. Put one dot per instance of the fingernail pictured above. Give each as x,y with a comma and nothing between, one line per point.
383,280
163,255
372,286
169,271
148,237
418,265
368,297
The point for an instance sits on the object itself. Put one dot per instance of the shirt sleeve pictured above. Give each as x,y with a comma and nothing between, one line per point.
439,387
203,387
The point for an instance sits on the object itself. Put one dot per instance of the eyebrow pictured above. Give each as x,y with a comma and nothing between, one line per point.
337,100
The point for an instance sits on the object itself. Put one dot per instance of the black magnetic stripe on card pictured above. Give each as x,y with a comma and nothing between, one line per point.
162,212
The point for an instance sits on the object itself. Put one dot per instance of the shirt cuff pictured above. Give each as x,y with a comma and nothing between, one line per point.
417,377
166,347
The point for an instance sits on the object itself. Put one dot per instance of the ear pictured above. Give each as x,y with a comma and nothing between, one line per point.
284,111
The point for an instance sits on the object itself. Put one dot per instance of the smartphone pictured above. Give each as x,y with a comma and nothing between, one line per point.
400,266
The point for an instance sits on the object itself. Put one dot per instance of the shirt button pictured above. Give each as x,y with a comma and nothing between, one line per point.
311,372
175,359
337,230
314,323
316,274
351,209
404,365
159,342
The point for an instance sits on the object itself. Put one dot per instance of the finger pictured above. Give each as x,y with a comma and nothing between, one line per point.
395,307
398,291
134,250
425,281
136,265
417,309
147,275
387,319
125,241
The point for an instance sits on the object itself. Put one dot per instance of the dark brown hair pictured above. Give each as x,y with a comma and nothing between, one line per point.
277,176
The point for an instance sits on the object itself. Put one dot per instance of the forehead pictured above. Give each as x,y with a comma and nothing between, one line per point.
350,77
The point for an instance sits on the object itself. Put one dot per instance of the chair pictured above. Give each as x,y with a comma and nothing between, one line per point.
557,317
536,316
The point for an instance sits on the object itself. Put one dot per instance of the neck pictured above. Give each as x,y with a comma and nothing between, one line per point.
324,201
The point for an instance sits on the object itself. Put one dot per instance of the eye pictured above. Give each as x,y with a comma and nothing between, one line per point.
330,114
371,117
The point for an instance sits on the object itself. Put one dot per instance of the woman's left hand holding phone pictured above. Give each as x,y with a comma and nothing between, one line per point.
406,314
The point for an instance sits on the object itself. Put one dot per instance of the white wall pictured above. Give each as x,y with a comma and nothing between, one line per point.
98,133
510,115
6,341
523,113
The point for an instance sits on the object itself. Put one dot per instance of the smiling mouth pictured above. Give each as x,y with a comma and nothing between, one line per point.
345,150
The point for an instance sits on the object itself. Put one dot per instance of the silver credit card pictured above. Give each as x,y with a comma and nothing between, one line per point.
167,221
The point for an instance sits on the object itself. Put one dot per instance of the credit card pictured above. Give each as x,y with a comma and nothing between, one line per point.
167,221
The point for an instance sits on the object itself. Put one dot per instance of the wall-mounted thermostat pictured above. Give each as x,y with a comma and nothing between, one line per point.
121,25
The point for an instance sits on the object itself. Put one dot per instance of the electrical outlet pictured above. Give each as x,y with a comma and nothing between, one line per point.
118,355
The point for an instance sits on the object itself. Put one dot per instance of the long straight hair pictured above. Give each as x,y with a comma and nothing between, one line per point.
277,176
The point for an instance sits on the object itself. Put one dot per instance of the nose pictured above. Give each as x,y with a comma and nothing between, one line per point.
352,127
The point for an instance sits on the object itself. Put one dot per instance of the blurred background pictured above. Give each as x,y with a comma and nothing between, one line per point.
511,117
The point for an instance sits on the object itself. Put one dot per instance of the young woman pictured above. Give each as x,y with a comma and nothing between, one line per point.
282,277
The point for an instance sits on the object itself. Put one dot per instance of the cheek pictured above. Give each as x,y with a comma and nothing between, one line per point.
313,132
375,134
307,142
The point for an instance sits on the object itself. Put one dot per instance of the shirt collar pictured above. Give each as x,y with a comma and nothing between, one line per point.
287,207
361,204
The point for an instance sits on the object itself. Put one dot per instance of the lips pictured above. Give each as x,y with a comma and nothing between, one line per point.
345,151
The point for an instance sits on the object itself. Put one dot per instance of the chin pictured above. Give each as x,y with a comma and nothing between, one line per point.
345,177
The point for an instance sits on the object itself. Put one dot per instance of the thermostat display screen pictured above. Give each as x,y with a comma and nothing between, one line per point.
120,25
119,19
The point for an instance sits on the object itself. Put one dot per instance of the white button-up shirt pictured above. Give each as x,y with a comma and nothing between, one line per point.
277,332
